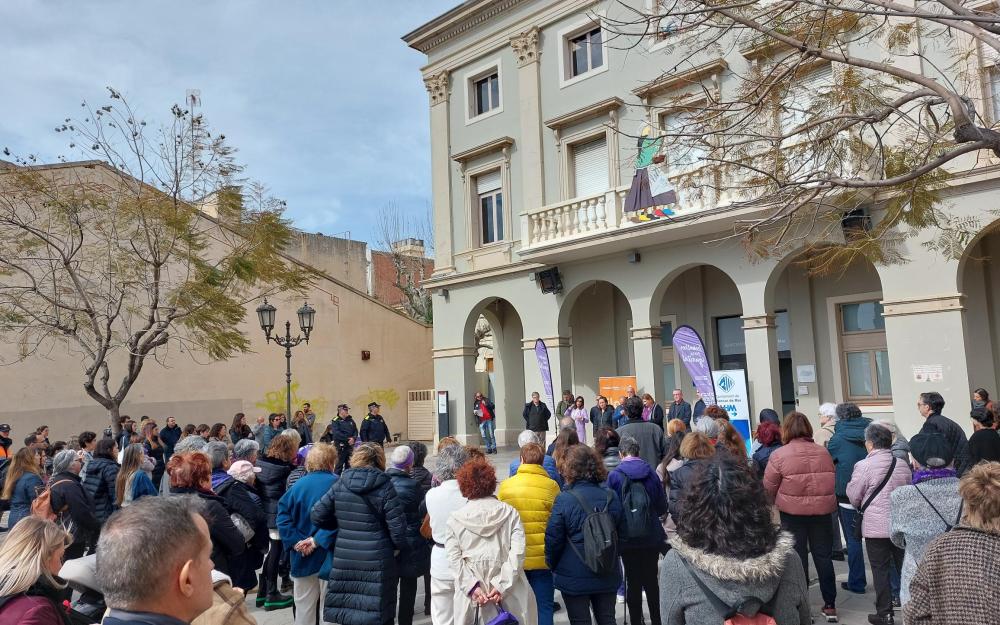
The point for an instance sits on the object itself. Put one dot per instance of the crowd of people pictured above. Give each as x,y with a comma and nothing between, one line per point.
669,511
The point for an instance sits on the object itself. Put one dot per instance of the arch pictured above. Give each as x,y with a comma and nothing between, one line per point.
570,298
979,283
660,290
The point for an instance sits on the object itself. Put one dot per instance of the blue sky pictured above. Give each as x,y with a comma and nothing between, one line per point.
323,99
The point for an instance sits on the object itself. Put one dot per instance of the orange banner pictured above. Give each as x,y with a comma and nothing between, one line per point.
614,387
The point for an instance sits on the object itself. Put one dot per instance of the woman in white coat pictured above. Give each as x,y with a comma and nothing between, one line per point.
485,548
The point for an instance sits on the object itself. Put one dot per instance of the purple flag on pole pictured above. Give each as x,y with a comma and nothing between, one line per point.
692,352
542,354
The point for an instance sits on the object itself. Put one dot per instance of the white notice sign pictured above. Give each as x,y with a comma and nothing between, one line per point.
805,373
731,394
928,373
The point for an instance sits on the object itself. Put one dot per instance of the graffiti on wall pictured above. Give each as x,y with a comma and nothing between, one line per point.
387,397
274,401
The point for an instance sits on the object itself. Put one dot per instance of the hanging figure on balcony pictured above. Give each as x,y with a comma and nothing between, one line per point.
651,195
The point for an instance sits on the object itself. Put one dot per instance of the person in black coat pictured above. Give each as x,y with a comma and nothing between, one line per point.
275,466
373,428
536,414
679,409
602,415
371,529
170,434
342,432
238,494
694,448
191,474
71,502
102,471
415,560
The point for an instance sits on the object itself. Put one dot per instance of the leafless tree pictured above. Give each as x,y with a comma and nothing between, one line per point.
802,113
392,227
113,257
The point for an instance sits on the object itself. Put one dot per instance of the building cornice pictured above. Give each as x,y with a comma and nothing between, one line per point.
462,18
676,79
459,278
590,111
489,147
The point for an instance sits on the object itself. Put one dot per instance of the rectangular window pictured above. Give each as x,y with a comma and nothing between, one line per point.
864,355
586,52
993,76
684,150
487,93
590,167
802,96
490,205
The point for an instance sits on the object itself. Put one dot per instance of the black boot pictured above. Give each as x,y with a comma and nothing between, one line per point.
261,591
278,601
881,619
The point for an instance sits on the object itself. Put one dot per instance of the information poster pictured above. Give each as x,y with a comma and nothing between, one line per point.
731,394
613,387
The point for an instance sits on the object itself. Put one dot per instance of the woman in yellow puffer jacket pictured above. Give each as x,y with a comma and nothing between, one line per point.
532,493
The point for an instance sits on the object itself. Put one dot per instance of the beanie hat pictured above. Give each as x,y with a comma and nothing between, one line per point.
930,449
401,458
242,470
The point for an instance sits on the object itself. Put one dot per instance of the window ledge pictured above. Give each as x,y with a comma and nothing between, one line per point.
478,118
566,82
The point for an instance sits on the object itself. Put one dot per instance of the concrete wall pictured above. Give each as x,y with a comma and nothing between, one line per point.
342,259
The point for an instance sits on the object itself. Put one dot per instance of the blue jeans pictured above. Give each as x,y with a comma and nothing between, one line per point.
486,431
540,581
856,580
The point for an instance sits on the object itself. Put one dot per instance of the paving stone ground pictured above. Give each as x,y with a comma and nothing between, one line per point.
852,609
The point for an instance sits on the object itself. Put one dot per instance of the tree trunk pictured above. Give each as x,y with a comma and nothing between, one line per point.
114,412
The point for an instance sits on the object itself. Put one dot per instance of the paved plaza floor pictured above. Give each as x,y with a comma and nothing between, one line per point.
852,609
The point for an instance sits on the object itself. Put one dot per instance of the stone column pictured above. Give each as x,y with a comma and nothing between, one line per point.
527,49
926,338
648,351
454,371
761,336
560,364
437,88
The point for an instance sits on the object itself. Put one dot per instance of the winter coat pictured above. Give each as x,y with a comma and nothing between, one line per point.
227,541
548,463
374,430
954,434
305,433
169,437
415,559
229,605
847,447
442,501
536,418
39,605
371,525
680,411
341,430
242,500
21,497
823,434
156,454
656,415
984,445
67,492
141,486
491,410
271,485
761,456
485,546
265,435
868,474
100,485
612,458
914,524
569,574
532,493
800,478
955,583
652,442
777,573
678,478
423,477
295,523
637,470
602,418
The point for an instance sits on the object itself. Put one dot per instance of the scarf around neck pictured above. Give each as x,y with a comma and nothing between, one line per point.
924,475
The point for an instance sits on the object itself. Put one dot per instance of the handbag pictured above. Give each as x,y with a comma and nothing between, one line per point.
425,528
243,526
503,617
878,489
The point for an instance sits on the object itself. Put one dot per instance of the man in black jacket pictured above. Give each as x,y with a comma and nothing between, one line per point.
71,503
536,416
342,431
679,409
373,428
602,415
170,434
930,406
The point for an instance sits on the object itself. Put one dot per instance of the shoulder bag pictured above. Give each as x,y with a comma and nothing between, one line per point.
878,489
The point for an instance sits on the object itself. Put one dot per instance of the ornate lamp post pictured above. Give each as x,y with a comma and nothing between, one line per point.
266,313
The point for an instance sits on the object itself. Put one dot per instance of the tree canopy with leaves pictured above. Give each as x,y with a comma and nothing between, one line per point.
156,239
825,108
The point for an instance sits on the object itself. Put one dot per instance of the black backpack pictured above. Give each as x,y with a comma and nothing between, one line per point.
635,500
600,538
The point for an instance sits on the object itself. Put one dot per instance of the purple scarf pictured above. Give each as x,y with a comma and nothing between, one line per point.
647,412
924,475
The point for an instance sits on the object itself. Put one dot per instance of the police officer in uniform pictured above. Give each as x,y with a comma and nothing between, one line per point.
341,432
373,428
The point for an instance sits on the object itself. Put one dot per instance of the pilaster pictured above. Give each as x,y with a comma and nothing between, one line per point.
648,350
761,335
438,90
527,50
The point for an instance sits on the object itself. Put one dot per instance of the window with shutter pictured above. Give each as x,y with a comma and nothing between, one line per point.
683,152
489,199
991,66
590,167
801,97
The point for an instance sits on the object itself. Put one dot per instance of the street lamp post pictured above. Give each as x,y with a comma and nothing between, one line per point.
266,314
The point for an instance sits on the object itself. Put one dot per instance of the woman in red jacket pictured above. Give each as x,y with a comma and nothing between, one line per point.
30,592
800,479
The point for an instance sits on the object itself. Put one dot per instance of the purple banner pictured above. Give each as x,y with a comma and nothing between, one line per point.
542,354
691,350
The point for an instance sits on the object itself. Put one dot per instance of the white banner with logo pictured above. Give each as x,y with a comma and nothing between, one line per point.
731,395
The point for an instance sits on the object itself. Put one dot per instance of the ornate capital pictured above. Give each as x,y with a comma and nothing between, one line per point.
437,87
526,47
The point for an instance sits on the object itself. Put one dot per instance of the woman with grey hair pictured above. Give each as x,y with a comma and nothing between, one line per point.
827,421
708,427
441,502
74,505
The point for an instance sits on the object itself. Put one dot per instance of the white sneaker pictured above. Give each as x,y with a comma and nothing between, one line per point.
621,598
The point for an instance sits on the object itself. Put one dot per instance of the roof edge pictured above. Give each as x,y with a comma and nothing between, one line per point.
455,22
